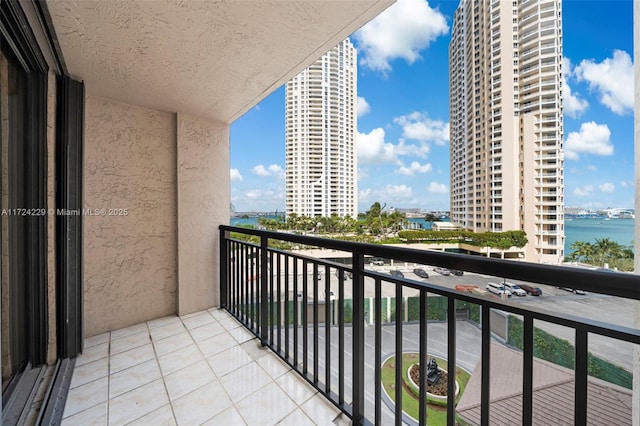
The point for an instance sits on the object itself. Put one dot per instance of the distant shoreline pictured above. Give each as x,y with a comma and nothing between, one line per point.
586,229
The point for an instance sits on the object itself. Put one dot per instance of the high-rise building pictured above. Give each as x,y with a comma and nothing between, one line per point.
505,60
321,117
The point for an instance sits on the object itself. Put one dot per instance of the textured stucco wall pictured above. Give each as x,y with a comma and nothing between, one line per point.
129,261
203,204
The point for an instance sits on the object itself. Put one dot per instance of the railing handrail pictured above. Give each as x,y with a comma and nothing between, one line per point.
261,302
567,320
624,285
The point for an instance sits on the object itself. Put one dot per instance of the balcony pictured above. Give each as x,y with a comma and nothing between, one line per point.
141,106
201,368
337,340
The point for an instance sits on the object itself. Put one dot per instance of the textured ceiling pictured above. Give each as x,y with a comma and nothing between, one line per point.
214,59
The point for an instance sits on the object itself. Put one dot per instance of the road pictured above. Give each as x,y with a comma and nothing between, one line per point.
597,307
468,344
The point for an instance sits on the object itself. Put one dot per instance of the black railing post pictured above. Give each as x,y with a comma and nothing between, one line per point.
378,352
451,359
358,338
399,367
422,400
581,371
527,380
485,375
264,296
224,275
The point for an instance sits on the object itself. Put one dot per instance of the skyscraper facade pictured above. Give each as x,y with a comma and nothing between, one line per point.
321,129
506,128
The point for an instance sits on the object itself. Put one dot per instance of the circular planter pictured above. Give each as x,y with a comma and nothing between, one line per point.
434,397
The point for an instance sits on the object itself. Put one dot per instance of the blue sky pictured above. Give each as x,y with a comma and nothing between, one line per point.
403,141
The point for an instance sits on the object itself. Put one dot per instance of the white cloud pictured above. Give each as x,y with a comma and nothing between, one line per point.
401,31
612,79
235,175
372,149
276,170
573,105
419,127
593,138
390,194
260,170
272,170
262,194
416,150
363,106
414,168
583,191
591,168
253,194
437,188
567,67
607,187
626,184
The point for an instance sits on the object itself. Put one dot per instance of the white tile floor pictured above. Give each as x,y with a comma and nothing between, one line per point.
203,368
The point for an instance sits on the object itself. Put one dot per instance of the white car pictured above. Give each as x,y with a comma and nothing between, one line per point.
498,289
514,289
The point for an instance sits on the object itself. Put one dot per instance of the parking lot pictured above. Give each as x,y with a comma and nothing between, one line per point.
555,300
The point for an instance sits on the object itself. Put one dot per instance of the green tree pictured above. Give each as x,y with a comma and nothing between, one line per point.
395,221
373,219
581,252
605,250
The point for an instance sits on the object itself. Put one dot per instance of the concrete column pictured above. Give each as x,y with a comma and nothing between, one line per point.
202,204
406,308
636,62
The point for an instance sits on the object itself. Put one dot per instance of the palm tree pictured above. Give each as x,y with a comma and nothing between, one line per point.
605,250
582,251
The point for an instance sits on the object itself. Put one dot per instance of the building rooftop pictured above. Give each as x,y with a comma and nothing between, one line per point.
553,394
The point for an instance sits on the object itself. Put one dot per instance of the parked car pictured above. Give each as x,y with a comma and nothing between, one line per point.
498,289
421,273
397,273
534,291
442,271
376,261
515,289
573,290
457,272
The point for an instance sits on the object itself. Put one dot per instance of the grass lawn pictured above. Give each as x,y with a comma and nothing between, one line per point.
436,414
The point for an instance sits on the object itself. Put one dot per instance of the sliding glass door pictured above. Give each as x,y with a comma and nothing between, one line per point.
14,289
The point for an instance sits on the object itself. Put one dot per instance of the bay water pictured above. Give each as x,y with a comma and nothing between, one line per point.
578,229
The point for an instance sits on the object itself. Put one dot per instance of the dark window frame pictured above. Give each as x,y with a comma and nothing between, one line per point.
21,42
15,31
69,229
69,139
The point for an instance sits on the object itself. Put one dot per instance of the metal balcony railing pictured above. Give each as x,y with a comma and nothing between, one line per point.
280,295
